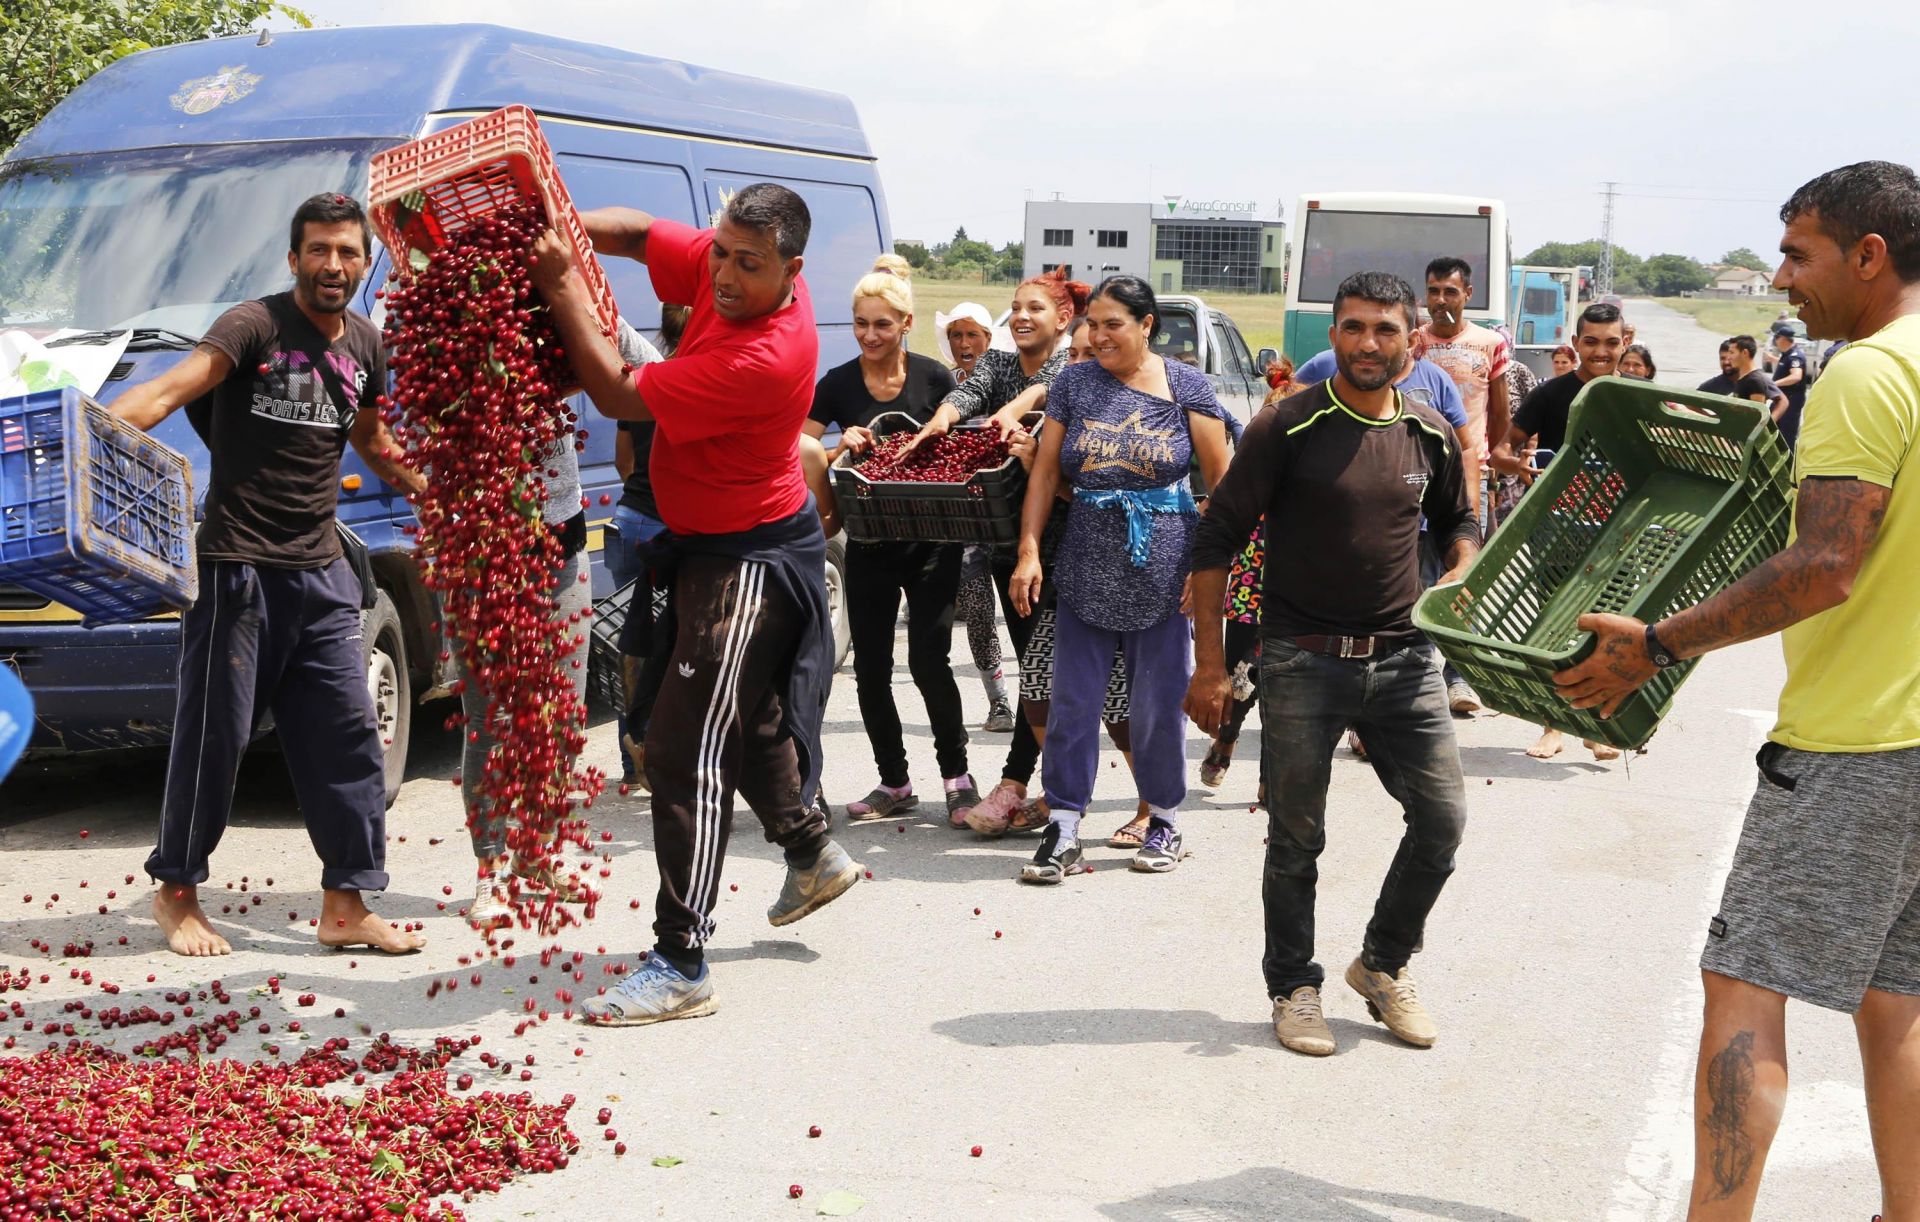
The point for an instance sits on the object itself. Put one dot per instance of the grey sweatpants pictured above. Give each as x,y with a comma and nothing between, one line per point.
1823,900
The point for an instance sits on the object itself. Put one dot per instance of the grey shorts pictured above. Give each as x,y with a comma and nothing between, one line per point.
1823,901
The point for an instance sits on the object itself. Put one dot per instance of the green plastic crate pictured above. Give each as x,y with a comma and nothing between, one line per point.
1658,500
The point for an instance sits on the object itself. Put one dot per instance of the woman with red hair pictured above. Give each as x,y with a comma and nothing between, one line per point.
1007,386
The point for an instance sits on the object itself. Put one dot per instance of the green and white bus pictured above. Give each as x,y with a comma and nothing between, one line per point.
1341,233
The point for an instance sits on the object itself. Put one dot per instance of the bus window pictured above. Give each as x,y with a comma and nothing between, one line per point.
1339,244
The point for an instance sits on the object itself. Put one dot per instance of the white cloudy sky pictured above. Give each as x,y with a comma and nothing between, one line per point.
1709,114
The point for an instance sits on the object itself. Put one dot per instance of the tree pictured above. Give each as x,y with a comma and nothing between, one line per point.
50,47
1745,257
915,254
1672,275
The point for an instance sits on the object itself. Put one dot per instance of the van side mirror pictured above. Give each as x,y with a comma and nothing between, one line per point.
1268,356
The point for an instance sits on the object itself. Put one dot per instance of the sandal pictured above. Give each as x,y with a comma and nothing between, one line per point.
560,882
1132,834
879,804
1031,819
962,797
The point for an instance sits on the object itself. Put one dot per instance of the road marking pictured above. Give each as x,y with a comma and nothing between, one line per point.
1661,1156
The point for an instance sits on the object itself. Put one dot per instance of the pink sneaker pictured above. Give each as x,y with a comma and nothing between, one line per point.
991,816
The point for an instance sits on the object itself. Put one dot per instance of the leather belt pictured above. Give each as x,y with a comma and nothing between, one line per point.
1354,646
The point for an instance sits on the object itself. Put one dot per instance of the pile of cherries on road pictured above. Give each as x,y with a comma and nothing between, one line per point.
479,379
951,459
90,1133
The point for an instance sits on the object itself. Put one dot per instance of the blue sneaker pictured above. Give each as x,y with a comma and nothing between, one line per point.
654,993
1162,849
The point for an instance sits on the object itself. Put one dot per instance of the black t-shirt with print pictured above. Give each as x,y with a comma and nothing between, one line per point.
1545,413
276,435
842,398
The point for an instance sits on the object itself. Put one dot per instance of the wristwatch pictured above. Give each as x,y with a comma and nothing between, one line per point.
1659,653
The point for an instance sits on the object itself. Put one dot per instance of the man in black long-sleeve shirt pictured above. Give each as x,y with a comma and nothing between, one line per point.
1344,472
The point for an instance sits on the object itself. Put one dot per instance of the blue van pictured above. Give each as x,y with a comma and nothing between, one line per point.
158,194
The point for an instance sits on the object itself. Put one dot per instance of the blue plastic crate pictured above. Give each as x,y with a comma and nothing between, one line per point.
94,513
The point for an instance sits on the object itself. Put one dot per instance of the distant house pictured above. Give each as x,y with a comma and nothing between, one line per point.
1743,282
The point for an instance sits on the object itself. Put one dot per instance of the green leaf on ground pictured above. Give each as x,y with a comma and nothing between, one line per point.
386,1162
668,1160
185,1180
840,1204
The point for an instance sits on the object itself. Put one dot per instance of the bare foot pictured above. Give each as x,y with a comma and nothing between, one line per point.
346,921
1550,745
1601,751
176,909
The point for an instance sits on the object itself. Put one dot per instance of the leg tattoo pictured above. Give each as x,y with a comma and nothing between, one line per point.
1730,1086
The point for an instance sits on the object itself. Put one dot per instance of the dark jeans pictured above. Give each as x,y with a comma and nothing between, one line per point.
1399,704
928,574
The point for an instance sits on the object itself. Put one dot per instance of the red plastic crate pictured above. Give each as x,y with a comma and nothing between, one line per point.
424,191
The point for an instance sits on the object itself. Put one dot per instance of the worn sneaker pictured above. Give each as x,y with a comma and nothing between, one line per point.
995,811
490,905
1161,850
815,887
1393,1002
653,993
1301,1024
999,719
1462,699
1057,857
1213,769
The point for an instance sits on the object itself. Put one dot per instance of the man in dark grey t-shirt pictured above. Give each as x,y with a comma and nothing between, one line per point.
286,382
1343,473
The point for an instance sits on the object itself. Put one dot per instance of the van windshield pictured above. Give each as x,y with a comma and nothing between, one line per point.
157,237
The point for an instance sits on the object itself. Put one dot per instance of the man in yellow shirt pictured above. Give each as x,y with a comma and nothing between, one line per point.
1823,900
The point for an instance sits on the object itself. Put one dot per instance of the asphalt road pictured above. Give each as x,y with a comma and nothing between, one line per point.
1110,1049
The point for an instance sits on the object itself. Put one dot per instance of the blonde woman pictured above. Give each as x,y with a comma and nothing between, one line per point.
885,377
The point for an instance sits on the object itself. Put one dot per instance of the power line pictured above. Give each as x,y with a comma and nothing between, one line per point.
1603,275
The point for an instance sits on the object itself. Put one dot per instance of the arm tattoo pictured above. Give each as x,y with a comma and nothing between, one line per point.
1730,1087
1837,521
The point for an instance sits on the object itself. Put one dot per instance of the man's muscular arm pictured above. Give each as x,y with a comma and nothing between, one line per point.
1836,519
618,231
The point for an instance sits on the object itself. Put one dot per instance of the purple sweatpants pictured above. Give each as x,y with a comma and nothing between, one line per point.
1159,663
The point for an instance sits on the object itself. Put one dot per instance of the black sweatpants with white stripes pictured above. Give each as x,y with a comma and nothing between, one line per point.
716,731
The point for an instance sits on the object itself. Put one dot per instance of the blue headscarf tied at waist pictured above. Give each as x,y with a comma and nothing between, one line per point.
1174,498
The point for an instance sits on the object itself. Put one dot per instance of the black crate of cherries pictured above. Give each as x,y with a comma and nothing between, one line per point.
962,488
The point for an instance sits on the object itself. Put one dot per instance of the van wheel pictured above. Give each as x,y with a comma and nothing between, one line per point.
390,687
837,598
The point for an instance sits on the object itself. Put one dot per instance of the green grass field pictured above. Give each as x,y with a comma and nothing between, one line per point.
1725,316
1258,315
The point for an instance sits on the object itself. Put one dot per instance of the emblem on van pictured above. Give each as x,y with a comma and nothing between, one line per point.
198,96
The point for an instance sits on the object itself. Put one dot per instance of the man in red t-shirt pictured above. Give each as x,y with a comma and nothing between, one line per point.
741,704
